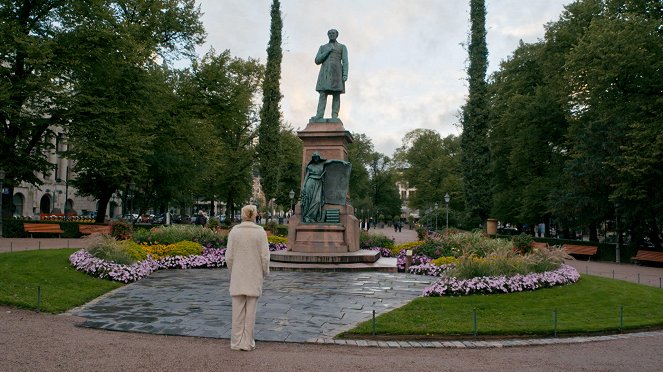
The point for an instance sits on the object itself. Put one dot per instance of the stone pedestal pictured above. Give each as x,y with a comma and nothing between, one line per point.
491,226
330,139
323,237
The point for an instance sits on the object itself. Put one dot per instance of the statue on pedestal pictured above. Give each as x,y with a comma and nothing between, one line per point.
333,58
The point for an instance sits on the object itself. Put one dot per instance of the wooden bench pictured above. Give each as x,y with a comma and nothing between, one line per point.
651,256
540,245
585,250
94,229
42,228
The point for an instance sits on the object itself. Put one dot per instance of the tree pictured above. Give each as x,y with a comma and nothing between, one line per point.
614,85
475,158
431,164
290,161
225,91
384,192
31,95
270,113
359,155
527,132
116,85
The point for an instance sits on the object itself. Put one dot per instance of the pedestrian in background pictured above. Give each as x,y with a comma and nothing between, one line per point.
247,257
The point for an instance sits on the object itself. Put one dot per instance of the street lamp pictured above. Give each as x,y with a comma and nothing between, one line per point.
66,190
2,193
436,216
291,194
447,198
362,224
617,253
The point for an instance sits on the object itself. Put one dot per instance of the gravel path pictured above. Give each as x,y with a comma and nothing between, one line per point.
44,342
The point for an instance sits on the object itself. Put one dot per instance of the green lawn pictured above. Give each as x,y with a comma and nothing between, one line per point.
589,306
62,287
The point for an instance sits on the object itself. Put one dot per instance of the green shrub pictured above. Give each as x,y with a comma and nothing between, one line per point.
213,223
422,233
121,230
281,230
177,233
434,249
13,228
522,243
108,248
368,240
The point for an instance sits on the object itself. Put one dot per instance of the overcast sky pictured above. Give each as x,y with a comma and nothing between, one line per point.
407,57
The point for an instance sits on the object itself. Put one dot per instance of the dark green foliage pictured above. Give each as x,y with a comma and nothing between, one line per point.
474,145
13,228
575,122
268,149
122,230
434,249
369,240
430,164
223,90
522,243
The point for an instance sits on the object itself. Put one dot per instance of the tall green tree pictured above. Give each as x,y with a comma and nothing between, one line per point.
383,189
359,155
290,160
431,164
614,80
227,88
474,139
528,130
116,87
32,97
270,114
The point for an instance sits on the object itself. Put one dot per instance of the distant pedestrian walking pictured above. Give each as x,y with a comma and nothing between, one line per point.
247,257
201,220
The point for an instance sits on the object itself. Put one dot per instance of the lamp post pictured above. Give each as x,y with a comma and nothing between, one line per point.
436,216
447,198
2,193
362,224
291,194
66,190
617,253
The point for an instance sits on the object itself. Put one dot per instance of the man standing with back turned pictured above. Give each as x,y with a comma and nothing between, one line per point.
333,57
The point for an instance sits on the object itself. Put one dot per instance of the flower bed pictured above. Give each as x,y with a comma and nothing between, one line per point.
450,286
430,269
83,261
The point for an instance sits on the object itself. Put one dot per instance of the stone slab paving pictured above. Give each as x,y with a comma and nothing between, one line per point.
295,306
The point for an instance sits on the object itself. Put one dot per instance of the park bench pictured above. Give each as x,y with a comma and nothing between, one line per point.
94,229
585,250
42,228
540,245
651,256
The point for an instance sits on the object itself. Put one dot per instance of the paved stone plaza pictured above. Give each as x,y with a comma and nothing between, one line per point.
295,306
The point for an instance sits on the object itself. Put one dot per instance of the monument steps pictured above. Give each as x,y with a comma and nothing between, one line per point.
381,265
361,260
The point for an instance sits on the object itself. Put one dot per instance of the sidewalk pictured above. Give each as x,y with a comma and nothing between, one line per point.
26,244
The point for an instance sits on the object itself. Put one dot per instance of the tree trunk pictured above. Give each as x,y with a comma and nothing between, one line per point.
593,235
101,211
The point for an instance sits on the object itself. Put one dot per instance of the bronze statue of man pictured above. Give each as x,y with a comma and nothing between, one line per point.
333,58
